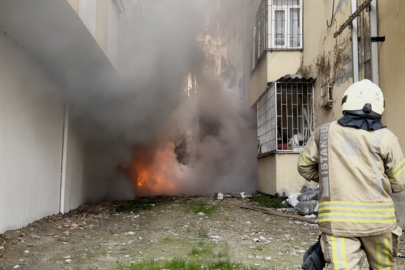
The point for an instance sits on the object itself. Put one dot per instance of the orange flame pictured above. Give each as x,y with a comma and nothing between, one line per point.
153,172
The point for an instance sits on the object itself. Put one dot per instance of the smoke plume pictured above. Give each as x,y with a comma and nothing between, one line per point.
133,123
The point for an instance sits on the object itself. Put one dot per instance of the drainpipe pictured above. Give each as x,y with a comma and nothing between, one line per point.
374,45
63,162
355,44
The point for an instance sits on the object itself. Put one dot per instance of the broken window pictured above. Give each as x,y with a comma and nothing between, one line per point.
285,115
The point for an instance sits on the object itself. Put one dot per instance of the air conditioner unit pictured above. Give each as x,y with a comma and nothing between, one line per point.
327,96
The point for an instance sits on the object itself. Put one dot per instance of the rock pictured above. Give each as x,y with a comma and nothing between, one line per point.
256,240
268,258
26,251
35,236
16,266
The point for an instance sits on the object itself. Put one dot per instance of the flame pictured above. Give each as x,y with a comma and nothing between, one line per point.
153,171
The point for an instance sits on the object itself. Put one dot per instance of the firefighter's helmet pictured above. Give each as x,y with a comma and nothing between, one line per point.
365,98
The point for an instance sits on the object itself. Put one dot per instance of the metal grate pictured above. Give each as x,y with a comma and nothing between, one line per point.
266,121
285,117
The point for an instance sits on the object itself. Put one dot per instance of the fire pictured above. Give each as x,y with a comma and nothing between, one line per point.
153,172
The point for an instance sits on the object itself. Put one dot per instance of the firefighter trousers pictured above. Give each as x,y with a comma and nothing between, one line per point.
345,253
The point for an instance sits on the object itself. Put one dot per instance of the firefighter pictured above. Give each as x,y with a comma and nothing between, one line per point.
358,163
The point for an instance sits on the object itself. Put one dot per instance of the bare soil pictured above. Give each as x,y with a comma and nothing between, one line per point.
98,237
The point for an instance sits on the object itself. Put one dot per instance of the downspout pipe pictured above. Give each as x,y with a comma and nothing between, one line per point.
63,159
355,44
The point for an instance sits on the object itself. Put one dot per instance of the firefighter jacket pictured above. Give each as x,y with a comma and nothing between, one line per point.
357,171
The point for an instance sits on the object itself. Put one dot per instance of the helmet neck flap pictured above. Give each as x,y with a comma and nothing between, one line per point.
368,122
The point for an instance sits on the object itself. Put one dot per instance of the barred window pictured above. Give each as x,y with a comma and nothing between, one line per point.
285,116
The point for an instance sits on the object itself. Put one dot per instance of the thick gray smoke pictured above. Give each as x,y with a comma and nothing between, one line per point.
137,117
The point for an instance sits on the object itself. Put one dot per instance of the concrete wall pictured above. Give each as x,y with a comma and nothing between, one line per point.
278,174
258,83
282,63
267,174
113,32
75,173
31,127
392,79
327,58
102,24
31,141
88,13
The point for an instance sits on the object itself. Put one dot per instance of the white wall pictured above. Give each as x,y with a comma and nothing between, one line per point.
88,14
74,183
31,138
113,30
31,119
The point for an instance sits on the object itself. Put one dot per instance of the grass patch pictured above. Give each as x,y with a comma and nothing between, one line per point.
136,206
269,201
202,233
201,207
202,250
258,248
180,264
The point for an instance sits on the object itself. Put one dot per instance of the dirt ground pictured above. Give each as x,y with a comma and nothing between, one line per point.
98,237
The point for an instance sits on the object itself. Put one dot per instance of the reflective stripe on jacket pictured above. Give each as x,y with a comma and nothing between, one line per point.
357,171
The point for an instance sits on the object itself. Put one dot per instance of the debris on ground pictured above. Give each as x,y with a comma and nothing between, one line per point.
98,237
305,202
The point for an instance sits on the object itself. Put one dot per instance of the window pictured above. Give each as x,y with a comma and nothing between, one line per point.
285,115
278,26
285,24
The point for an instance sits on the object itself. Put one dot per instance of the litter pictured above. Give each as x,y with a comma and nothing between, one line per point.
306,208
16,266
268,258
241,195
130,233
26,251
219,196
292,199
256,240
311,195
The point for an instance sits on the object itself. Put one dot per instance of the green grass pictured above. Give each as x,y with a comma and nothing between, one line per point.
202,233
202,250
180,264
201,207
135,206
269,201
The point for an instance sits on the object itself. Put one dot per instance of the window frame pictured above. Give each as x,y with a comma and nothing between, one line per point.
271,25
286,117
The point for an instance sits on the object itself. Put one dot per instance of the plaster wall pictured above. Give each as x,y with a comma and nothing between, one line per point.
31,129
327,58
392,79
102,24
88,12
267,174
258,83
113,33
278,174
75,5
75,174
277,67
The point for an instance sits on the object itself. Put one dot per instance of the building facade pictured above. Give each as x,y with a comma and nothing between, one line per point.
49,49
300,50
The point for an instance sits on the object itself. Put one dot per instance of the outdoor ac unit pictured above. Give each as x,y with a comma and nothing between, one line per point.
326,96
